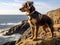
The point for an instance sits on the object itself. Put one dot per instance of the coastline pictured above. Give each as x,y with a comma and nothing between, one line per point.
25,30
14,33
9,38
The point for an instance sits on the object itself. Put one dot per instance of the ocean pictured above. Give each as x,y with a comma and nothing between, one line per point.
7,21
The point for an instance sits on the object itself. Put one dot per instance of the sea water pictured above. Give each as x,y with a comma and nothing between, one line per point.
8,21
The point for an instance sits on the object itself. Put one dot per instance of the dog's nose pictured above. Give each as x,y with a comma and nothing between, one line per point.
20,9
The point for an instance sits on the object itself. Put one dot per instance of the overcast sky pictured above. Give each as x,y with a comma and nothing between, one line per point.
12,6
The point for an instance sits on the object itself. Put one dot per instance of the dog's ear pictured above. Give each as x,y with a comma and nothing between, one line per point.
29,4
32,3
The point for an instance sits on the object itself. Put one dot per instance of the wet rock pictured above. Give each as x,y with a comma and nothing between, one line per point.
21,28
10,43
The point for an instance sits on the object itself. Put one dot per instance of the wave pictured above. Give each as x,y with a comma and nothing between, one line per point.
4,39
10,23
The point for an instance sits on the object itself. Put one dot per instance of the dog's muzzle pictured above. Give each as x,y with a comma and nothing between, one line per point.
22,9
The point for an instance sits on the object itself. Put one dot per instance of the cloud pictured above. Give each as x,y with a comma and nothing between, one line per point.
20,1
13,7
43,7
17,0
10,12
10,8
41,4
10,4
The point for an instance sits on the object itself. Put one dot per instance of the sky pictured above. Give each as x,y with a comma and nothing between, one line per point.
42,6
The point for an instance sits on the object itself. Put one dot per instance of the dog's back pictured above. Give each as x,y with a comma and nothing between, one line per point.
45,19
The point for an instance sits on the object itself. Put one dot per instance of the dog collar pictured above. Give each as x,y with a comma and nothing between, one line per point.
30,13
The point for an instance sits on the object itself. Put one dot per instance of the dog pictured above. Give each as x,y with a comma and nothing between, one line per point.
36,19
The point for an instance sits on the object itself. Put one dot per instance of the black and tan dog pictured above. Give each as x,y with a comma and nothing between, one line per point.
36,19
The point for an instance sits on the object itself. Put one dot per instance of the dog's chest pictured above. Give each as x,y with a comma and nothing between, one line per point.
32,20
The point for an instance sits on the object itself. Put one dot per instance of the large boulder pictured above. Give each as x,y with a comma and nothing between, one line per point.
21,28
10,43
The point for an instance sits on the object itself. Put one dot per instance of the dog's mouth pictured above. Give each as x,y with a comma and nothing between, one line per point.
22,10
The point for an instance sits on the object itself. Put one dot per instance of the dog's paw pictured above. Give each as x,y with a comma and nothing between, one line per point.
31,37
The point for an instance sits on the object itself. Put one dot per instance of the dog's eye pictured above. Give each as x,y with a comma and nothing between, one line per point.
25,6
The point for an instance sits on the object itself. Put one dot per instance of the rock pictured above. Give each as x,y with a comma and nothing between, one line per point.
40,42
2,32
41,33
18,28
55,15
42,39
10,43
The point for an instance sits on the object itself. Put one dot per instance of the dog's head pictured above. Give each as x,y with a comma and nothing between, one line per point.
27,6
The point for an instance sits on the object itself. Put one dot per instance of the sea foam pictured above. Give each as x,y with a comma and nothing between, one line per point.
4,39
10,23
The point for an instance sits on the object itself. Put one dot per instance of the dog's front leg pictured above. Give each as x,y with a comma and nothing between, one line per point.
32,31
36,32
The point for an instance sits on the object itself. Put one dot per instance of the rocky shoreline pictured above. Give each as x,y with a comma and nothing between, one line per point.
26,33
25,30
20,29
